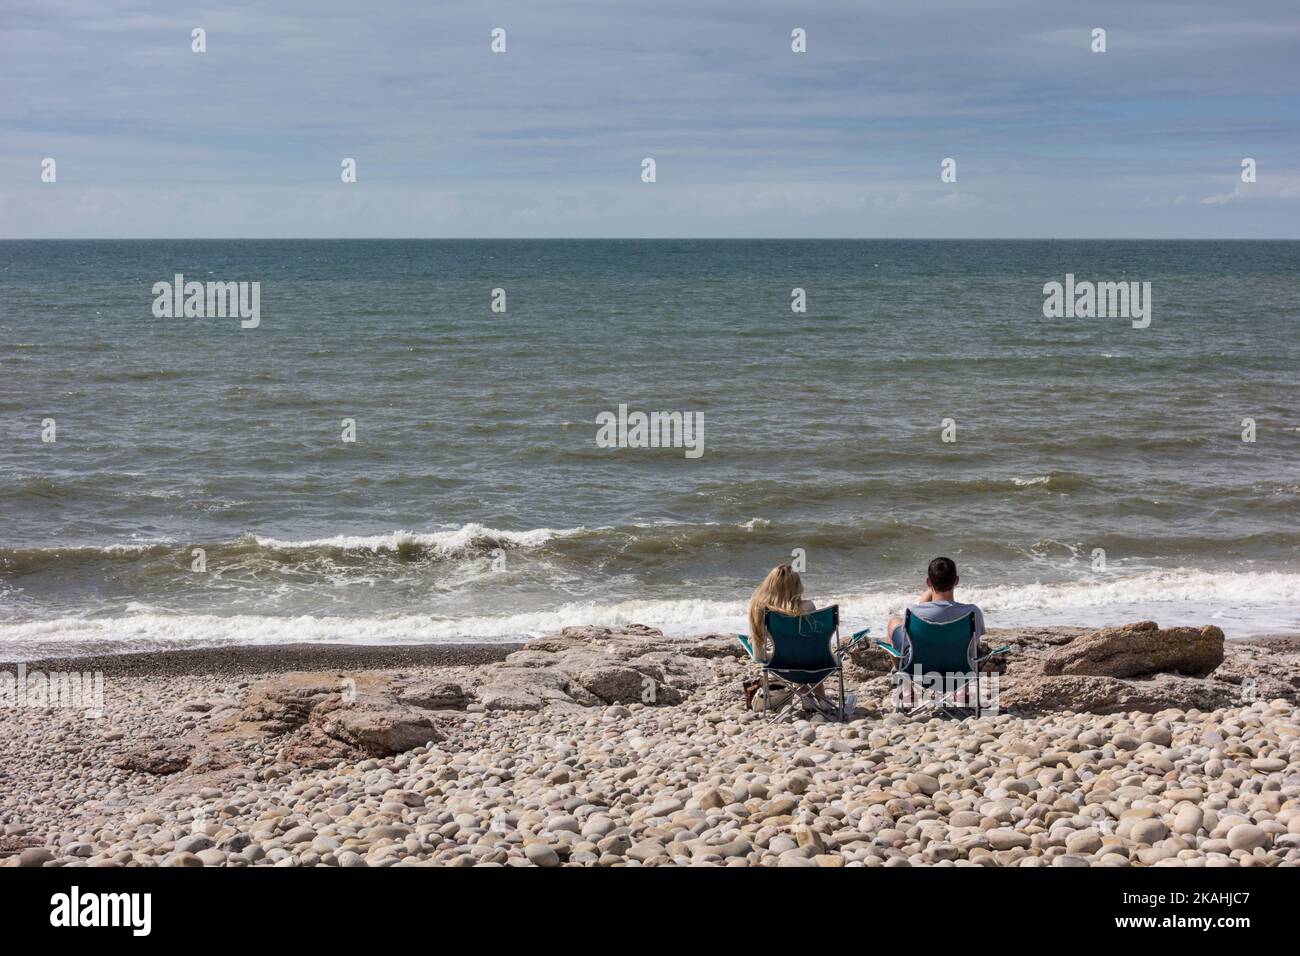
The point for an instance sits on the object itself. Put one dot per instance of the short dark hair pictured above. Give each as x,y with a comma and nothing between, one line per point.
942,574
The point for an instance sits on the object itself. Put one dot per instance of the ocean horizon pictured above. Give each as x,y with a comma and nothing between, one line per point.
402,442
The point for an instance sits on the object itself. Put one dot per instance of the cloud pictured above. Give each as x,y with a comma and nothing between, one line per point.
750,138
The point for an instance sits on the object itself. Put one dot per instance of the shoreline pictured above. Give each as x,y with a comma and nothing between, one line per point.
307,655
274,658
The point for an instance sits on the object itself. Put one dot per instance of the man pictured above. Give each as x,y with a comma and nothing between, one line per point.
936,606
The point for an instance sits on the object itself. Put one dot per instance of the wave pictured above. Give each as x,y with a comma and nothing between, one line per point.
641,547
1243,603
468,539
773,493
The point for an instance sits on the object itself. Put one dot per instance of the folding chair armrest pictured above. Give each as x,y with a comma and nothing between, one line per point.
888,648
744,642
1000,650
853,641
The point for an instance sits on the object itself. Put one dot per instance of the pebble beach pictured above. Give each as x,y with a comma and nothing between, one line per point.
245,758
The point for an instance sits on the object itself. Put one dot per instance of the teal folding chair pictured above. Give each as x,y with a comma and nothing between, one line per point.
948,653
806,652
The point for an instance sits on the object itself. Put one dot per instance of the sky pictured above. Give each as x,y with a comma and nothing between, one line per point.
749,139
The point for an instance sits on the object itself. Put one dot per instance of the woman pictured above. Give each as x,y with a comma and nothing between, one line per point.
781,590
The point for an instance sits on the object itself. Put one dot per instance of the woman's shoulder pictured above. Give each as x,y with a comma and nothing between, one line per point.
805,606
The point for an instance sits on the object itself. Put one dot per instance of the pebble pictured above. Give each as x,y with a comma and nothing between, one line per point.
539,854
1188,820
1148,831
1004,838
1246,836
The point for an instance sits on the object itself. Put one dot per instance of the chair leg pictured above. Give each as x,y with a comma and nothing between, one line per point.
767,696
844,701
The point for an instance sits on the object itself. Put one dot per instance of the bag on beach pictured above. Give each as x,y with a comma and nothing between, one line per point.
777,692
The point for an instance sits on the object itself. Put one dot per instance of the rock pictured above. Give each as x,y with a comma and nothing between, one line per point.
925,783
1005,838
1268,764
663,808
798,783
615,683
597,827
34,856
645,850
712,800
160,761
539,854
1188,821
1084,842
781,807
1161,736
194,843
435,695
331,718
1134,650
505,696
1246,836
1148,831
1038,694
298,835
235,844
616,844
809,838
381,731
284,703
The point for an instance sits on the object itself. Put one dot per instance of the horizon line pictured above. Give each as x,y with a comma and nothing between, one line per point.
646,239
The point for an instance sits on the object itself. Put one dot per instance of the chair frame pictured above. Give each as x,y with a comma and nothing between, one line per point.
804,692
946,703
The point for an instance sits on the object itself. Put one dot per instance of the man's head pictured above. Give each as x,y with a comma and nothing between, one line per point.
941,576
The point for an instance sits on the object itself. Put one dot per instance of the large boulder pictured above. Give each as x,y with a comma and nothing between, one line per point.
435,695
616,683
329,717
380,731
1108,695
341,730
161,760
593,666
282,704
1135,650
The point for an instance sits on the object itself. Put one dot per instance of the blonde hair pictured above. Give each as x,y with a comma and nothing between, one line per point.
781,590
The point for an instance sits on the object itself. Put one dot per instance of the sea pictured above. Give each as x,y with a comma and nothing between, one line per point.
405,445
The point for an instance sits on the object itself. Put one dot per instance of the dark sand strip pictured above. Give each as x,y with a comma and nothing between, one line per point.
279,658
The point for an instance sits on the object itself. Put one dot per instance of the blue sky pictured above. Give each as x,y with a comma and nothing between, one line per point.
749,138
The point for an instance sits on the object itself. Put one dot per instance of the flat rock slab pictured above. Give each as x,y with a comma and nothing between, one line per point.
1136,650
